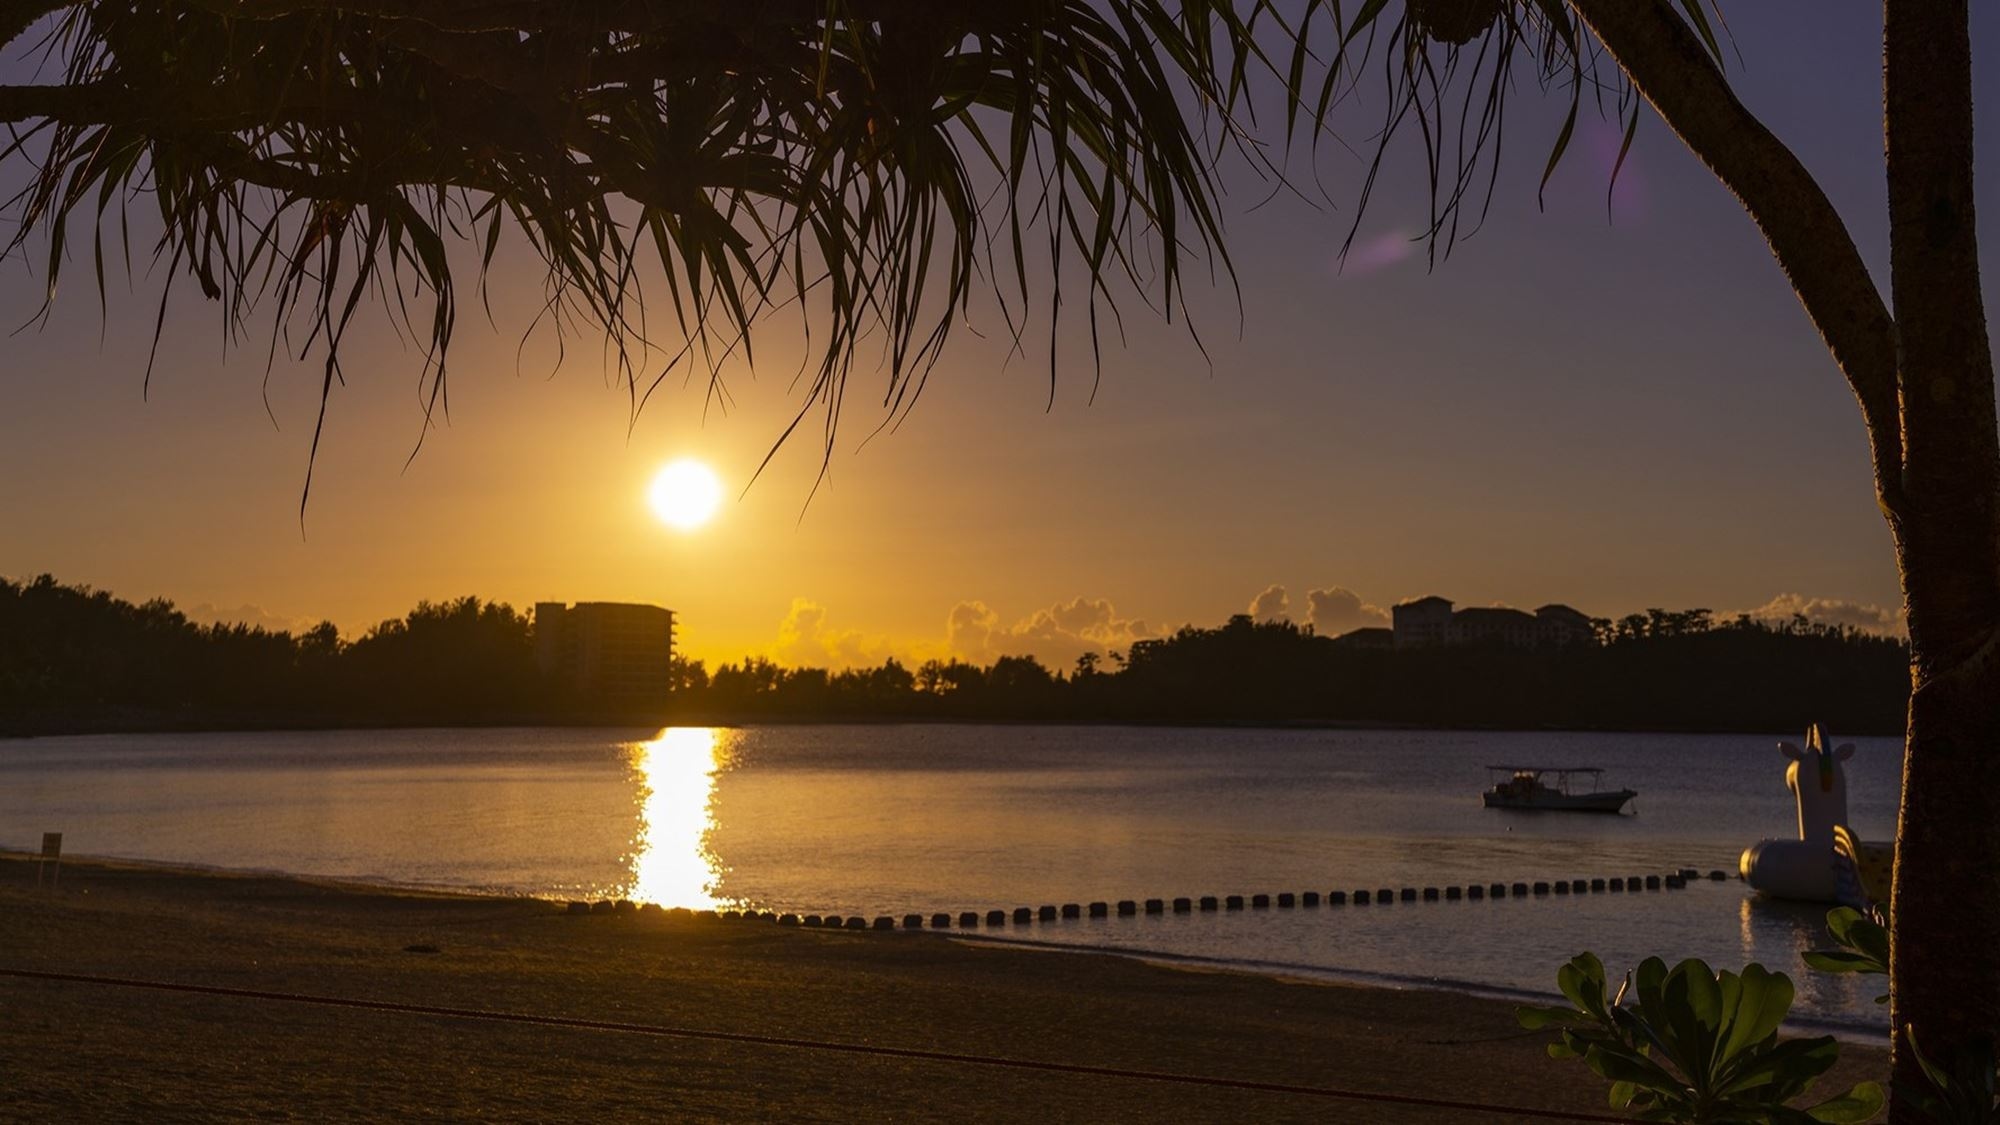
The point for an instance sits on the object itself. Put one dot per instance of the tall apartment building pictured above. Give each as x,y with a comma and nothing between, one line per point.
607,653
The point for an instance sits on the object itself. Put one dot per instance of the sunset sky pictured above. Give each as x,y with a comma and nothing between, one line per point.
1614,412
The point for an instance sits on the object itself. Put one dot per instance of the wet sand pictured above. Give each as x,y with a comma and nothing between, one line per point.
77,1051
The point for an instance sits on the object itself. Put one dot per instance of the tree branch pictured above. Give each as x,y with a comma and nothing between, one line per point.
1675,73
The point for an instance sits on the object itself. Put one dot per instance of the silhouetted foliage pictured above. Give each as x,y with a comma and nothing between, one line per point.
74,658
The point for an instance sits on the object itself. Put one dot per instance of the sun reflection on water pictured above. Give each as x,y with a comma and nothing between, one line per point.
671,861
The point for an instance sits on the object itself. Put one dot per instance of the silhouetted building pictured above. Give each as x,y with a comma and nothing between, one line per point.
616,653
1369,638
1422,623
1492,625
1557,625
1430,621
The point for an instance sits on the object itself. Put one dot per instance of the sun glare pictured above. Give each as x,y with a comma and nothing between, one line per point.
671,861
685,494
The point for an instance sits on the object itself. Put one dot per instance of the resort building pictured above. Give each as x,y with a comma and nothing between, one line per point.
1372,637
1423,623
1430,622
616,653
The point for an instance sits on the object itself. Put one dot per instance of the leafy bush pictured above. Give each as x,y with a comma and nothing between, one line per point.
1699,1046
1963,1085
1864,946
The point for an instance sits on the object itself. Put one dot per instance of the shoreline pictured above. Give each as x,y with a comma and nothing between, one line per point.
778,1014
321,725
1279,971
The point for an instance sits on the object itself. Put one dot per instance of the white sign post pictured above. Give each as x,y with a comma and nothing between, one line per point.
51,854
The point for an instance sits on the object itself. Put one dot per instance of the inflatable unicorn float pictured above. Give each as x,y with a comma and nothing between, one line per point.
1827,863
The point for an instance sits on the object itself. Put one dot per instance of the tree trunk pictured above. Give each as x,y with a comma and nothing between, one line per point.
1945,960
1924,381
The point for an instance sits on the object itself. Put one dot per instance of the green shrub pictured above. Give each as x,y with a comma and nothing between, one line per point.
1698,1046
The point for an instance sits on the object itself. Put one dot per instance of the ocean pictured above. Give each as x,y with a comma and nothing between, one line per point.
895,819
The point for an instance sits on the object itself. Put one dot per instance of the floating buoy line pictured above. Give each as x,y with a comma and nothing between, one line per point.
1205,904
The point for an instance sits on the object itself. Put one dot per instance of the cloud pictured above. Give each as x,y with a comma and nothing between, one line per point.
1337,609
1274,604
1056,636
257,617
1832,611
805,640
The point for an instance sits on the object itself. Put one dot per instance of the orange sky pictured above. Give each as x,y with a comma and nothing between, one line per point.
1611,414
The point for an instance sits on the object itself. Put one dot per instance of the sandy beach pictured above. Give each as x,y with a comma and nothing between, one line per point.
524,1013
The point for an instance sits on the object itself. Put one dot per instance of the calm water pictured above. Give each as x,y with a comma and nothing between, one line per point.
893,819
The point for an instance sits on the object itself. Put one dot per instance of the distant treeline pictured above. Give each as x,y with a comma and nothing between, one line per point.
73,658
76,659
1655,671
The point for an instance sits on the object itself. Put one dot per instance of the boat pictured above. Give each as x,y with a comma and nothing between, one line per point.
1522,787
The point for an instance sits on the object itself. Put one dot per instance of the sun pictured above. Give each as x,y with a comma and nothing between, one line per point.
685,494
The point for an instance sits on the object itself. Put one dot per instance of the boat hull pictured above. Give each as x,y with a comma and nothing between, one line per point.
1611,802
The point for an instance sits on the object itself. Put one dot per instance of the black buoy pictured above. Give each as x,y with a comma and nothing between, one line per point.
1497,890
1541,888
968,920
1384,896
1286,900
1475,892
1260,902
1208,902
1338,898
1617,884
1023,915
857,922
1718,876
788,919
940,921
1430,894
812,920
1522,888
1578,886
1183,905
910,922
1360,898
1597,884
1156,906
996,917
1675,882
1099,910
1652,882
1127,908
884,922
577,908
1046,913
1309,898
1072,910
1451,894
1562,886
1233,902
